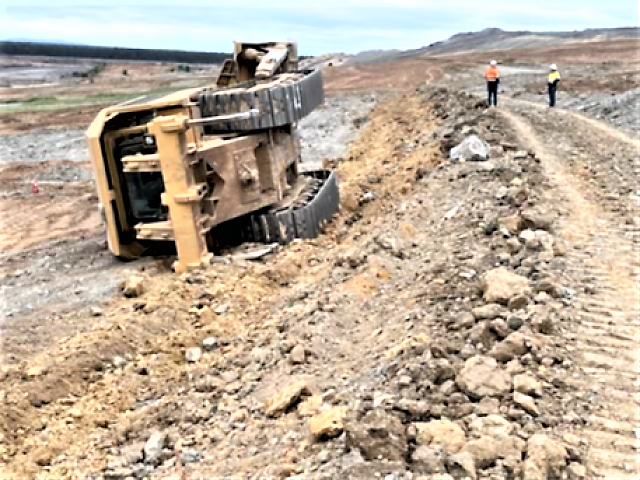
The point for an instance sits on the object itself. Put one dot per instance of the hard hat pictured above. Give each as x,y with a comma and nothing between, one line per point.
553,66
493,63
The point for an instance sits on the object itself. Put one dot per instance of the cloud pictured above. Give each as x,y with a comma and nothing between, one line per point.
318,27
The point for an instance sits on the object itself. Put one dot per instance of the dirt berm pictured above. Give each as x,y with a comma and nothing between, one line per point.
423,336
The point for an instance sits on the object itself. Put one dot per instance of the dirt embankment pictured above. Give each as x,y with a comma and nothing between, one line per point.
427,332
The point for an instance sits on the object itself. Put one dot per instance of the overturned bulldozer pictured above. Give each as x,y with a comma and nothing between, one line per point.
215,165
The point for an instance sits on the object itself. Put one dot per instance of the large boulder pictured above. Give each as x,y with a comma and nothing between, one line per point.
481,377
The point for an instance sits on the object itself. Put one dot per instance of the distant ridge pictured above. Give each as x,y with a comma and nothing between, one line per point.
498,39
70,50
35,40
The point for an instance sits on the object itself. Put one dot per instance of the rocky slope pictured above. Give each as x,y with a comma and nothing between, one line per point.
498,39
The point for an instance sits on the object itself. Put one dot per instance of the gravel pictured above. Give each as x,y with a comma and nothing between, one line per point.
327,132
41,145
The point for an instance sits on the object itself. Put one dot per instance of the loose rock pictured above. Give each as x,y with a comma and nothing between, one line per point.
428,460
190,456
501,285
378,434
511,347
575,471
494,426
132,454
472,148
538,219
461,465
511,224
37,370
210,343
297,354
134,286
545,458
527,385
118,473
483,377
518,302
526,402
287,397
488,312
193,354
483,450
328,424
153,447
442,433
441,476
488,406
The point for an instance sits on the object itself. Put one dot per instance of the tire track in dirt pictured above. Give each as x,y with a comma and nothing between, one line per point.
597,124
609,322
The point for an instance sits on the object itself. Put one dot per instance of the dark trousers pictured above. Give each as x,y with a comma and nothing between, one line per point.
552,94
492,91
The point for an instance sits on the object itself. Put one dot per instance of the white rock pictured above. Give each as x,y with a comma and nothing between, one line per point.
472,148
210,343
153,447
193,354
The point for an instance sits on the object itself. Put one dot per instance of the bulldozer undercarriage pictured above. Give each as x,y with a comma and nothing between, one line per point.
303,215
216,165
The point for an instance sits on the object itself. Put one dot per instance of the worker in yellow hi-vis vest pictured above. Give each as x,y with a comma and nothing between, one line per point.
552,84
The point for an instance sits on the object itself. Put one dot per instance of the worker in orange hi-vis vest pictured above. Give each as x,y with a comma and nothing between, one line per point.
492,75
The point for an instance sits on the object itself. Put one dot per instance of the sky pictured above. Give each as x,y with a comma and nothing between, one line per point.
320,26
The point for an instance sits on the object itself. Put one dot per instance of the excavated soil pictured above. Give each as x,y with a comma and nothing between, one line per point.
450,308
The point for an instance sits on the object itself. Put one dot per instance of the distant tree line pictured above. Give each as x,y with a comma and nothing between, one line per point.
33,49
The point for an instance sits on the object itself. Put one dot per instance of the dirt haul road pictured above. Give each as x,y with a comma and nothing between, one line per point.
473,319
596,174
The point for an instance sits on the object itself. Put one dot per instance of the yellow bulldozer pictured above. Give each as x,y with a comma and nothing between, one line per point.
214,165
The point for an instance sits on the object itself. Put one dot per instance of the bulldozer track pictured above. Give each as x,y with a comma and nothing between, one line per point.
284,100
605,256
303,217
